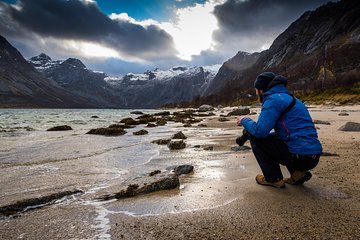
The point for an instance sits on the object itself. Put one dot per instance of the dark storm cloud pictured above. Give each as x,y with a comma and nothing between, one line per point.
79,20
256,19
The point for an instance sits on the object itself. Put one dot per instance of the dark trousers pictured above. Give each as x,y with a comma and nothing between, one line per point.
271,152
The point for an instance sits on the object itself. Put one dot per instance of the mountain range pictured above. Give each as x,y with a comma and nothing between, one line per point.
320,50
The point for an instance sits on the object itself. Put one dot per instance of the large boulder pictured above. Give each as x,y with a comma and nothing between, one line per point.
140,132
161,141
239,111
129,121
350,127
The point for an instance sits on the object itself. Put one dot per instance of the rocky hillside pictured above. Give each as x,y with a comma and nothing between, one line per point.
21,85
320,50
73,75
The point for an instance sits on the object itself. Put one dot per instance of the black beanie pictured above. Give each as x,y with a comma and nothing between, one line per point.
262,81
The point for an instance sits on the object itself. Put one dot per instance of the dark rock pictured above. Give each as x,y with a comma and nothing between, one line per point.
240,148
129,121
183,169
187,125
94,117
343,114
327,154
209,114
202,125
154,173
140,132
179,135
60,128
223,119
174,145
33,203
321,122
205,108
239,111
136,112
161,122
197,146
146,118
350,127
120,126
208,148
165,113
107,131
150,125
161,141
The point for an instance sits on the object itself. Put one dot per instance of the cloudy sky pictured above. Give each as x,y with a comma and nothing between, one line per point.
121,36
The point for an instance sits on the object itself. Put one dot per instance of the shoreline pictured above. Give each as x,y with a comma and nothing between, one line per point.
221,199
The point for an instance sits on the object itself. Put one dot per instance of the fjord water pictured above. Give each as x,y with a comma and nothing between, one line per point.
33,159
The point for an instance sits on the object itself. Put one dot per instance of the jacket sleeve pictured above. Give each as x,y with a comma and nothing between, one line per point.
269,114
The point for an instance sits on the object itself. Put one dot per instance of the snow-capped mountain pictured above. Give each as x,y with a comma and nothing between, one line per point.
150,89
73,75
158,87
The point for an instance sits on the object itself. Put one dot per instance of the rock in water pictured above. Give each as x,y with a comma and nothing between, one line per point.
179,135
137,112
60,128
239,111
107,131
350,127
161,141
141,132
174,145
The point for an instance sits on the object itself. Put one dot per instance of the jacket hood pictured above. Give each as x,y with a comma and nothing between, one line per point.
276,81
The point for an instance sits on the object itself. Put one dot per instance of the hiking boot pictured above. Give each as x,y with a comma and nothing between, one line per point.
260,179
298,177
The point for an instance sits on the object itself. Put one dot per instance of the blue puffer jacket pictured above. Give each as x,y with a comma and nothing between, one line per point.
295,127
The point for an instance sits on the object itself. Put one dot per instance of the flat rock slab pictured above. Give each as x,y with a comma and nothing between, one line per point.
350,127
155,181
109,131
34,203
321,122
239,111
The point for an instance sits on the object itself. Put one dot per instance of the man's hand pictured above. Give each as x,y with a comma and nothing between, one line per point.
239,118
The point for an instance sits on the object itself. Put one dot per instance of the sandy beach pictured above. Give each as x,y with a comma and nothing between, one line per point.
221,199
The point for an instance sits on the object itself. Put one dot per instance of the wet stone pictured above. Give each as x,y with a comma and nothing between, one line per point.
129,121
60,128
137,112
183,169
94,116
343,114
350,127
239,111
140,132
208,148
175,145
161,141
223,119
321,122
107,131
179,135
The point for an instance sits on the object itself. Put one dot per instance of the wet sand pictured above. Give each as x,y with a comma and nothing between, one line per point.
221,199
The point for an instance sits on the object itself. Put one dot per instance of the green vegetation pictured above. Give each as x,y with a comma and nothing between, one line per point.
342,95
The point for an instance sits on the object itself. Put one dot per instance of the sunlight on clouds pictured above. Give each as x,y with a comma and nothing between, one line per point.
91,49
191,27
192,30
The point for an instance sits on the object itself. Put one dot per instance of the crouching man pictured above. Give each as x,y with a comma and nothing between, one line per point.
294,141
